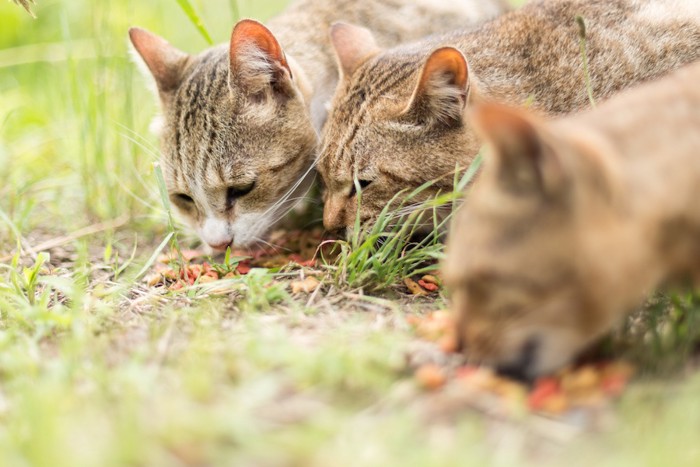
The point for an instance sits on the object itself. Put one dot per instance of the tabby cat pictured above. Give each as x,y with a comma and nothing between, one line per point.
398,116
240,121
573,222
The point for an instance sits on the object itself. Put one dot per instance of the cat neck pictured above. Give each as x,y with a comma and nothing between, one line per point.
533,56
308,49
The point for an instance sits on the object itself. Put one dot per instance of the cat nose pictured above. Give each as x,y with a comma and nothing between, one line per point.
221,246
333,215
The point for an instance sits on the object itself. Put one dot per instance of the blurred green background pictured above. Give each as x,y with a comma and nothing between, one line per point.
74,110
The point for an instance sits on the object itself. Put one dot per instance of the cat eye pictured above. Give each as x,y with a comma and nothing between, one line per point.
235,192
363,184
186,199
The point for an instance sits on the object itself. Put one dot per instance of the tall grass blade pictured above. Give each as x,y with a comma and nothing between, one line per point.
154,257
196,20
235,10
584,55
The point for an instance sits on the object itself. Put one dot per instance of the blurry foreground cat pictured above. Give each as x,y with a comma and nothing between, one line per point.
240,121
573,222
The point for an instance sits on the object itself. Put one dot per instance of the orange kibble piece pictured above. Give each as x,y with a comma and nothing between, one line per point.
442,316
414,320
207,279
583,380
466,371
170,273
431,377
413,287
308,285
211,273
448,343
556,404
154,280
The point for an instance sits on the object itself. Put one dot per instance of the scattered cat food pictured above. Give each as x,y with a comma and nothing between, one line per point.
413,287
431,377
178,270
426,285
308,285
586,386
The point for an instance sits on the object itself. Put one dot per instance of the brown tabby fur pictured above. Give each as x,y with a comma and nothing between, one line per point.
573,222
240,121
397,121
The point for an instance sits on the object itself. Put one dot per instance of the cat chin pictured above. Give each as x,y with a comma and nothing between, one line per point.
248,229
245,231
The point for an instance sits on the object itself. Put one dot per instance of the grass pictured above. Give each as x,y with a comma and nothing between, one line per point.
98,369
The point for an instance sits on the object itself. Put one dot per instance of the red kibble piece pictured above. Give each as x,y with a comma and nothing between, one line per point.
428,286
614,385
243,269
543,390
467,371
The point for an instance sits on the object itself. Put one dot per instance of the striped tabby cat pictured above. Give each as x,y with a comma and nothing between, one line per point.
398,116
240,121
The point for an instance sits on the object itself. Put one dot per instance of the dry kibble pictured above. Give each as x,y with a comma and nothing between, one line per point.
509,389
431,377
428,286
430,279
414,288
557,404
308,285
586,387
154,280
448,342
207,279
580,381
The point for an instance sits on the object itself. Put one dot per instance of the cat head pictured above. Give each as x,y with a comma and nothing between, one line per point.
538,259
396,122
237,143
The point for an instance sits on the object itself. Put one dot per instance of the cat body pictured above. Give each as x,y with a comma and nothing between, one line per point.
573,222
398,118
240,121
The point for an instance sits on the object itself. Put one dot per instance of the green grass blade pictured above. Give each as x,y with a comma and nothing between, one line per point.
153,257
581,23
196,20
235,10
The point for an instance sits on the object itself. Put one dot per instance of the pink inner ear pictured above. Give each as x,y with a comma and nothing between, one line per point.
163,60
248,32
353,45
446,60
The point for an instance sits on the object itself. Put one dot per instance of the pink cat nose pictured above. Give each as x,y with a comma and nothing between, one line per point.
221,246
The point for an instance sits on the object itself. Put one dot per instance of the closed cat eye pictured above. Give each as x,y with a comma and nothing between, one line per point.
184,198
235,192
363,184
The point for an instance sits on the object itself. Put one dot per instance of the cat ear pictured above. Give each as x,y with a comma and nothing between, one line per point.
443,88
165,62
523,158
257,60
353,45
